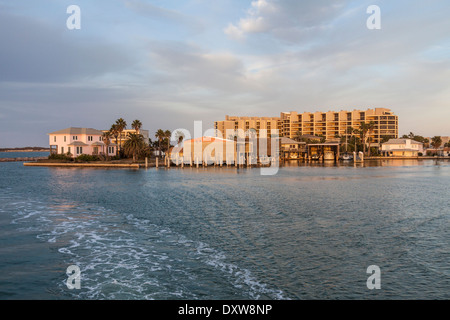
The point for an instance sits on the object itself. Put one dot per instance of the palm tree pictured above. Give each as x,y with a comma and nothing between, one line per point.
121,125
180,136
364,131
134,145
106,137
167,135
115,133
160,136
137,125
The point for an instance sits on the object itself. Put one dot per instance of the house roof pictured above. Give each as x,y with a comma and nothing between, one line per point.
310,136
75,130
78,143
98,143
402,150
285,140
401,141
207,139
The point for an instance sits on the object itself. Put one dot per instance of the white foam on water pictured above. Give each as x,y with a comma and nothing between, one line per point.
118,259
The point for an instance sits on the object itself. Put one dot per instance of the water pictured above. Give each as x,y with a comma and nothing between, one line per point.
23,154
310,232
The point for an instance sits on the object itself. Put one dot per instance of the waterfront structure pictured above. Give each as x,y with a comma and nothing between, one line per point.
323,151
402,148
205,150
214,150
440,152
329,124
77,141
292,149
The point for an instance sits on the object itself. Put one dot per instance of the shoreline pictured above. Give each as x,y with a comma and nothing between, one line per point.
151,164
91,165
24,150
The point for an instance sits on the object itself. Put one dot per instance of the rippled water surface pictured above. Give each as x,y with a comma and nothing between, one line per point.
309,232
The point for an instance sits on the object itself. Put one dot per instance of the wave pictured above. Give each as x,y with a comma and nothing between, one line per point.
124,257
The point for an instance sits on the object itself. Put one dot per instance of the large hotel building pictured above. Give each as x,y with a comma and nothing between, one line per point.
329,124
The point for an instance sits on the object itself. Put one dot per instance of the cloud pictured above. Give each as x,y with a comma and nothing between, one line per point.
166,15
196,68
34,51
290,20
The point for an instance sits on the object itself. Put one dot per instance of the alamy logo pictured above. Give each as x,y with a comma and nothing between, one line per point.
374,21
74,20
374,281
74,279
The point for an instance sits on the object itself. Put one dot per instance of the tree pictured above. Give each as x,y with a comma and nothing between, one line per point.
385,139
436,142
179,136
137,125
167,135
298,136
160,135
364,131
106,137
121,125
115,133
134,145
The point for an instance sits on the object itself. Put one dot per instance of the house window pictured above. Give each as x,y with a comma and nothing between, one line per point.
68,151
64,138
54,138
62,150
75,137
79,150
110,149
90,138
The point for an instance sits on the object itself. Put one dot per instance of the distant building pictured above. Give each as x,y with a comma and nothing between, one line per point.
78,141
329,124
401,148
124,136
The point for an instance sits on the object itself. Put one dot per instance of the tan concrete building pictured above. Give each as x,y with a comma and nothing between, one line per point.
246,123
328,124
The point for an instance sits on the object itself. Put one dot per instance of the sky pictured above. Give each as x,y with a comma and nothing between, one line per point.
169,63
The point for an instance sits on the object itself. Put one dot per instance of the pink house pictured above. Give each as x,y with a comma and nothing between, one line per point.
77,141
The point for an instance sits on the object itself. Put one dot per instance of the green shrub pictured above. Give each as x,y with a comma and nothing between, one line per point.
64,157
87,157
